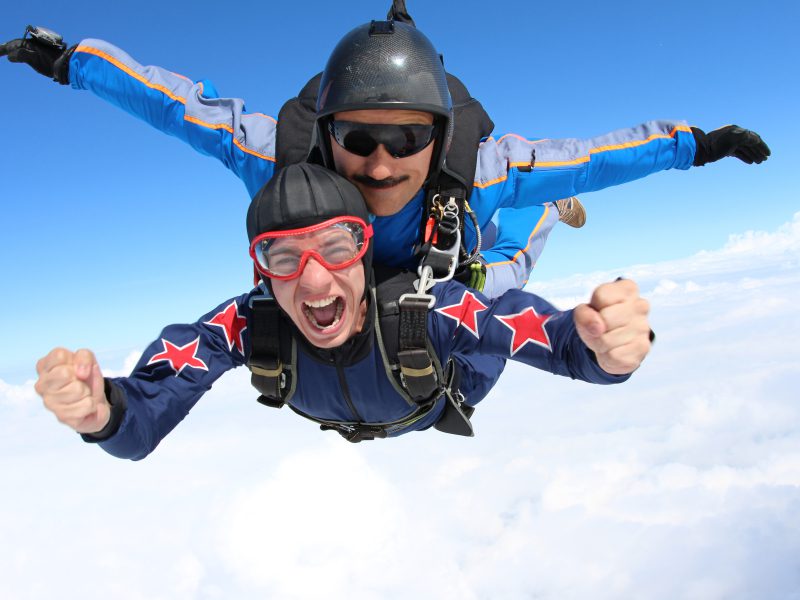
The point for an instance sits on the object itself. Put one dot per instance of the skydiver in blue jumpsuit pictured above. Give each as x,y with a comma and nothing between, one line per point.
311,242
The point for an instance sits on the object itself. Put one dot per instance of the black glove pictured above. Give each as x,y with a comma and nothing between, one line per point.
730,140
45,56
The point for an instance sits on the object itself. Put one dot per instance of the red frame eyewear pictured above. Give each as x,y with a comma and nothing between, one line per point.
366,231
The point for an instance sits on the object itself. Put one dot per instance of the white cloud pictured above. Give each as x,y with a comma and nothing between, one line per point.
682,483
127,365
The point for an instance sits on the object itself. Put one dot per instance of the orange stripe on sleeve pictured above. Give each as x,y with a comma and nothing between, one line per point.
244,148
599,149
478,184
124,68
581,159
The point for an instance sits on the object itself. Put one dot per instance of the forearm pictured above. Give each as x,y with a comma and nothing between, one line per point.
142,416
217,127
171,376
527,173
517,326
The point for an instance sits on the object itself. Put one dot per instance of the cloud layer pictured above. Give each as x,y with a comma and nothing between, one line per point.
682,483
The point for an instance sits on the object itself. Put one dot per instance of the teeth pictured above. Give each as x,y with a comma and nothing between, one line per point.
321,303
310,314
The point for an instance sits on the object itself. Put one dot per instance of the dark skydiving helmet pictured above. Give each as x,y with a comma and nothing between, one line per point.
301,195
386,65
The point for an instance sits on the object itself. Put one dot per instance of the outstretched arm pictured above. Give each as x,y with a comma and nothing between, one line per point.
514,171
599,342
129,416
191,111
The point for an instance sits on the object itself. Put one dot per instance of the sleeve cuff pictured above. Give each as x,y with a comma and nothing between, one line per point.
119,404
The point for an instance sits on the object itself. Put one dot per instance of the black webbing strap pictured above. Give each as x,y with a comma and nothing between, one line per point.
265,351
356,433
416,367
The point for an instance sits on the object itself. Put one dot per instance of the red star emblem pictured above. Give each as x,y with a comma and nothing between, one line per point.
465,312
527,326
233,324
179,357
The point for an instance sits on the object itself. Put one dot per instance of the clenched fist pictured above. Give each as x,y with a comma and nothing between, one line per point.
72,387
614,326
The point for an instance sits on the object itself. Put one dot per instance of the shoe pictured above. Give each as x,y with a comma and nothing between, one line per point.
571,212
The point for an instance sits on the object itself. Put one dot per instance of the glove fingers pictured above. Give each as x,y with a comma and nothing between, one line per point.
3,50
759,148
39,57
753,148
747,154
11,49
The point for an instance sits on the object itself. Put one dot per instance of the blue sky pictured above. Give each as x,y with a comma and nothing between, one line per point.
147,232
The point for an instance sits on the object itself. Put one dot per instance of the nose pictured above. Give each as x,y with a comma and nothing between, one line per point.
315,277
378,165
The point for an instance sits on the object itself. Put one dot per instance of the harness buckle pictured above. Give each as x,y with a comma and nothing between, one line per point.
356,433
442,260
422,285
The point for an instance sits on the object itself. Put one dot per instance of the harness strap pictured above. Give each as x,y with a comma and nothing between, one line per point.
265,352
356,433
416,367
359,432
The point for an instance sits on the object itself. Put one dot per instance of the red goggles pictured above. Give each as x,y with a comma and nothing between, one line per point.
335,244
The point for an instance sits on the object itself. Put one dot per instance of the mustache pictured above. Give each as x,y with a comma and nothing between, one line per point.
379,183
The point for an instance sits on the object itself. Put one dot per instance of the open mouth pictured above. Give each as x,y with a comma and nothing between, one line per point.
324,314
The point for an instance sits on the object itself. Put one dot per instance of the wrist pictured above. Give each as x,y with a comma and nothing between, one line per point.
61,66
118,405
701,153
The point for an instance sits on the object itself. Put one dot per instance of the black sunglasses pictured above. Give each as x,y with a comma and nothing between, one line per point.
399,140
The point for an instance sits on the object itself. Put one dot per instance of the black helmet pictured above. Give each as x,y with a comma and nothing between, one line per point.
305,194
386,65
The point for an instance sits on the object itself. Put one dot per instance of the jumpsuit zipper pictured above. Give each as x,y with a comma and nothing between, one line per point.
346,389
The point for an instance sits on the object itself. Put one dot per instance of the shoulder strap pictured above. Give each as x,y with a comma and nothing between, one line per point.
403,326
272,353
294,136
406,347
472,124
